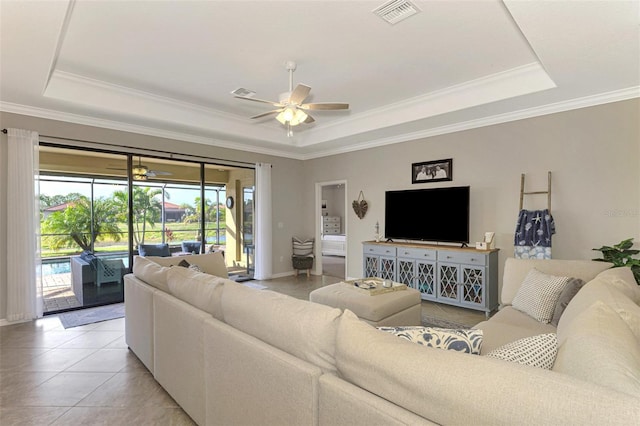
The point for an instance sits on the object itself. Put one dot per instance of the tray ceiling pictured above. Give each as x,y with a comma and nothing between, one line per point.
167,68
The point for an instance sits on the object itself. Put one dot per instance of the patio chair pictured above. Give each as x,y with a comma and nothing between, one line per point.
191,247
109,271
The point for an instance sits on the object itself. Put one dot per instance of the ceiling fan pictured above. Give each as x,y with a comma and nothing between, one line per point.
291,109
141,172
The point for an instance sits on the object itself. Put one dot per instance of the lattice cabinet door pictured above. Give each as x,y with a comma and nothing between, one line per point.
448,282
425,280
371,266
387,269
406,272
473,285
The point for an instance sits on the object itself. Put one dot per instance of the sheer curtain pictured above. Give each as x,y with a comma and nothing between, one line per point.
263,229
24,298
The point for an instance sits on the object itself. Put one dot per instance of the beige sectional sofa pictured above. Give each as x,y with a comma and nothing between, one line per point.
230,354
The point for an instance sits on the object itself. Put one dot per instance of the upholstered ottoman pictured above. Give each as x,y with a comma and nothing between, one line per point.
402,307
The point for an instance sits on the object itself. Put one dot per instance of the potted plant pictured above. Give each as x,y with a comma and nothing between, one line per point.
620,255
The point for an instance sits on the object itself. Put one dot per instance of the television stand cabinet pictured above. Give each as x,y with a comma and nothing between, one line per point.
464,277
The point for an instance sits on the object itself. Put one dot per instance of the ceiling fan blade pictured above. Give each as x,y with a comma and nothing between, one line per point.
116,168
275,111
153,173
309,119
325,106
260,100
299,94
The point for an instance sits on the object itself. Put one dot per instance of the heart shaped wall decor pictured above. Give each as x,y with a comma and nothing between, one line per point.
360,206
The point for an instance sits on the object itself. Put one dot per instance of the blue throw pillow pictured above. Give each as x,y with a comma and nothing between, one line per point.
161,250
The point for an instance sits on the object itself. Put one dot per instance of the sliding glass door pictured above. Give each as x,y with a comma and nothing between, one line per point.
90,231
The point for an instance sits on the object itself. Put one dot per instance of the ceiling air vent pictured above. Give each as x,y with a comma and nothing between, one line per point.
395,11
241,91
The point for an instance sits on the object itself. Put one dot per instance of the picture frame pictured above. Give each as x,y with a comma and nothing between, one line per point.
432,171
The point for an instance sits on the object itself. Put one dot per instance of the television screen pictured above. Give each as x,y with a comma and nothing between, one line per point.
435,215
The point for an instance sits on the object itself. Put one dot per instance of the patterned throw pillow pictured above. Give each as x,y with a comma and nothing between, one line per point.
303,247
537,351
188,265
195,268
461,340
538,295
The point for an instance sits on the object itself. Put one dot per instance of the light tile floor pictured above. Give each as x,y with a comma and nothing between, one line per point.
79,376
86,375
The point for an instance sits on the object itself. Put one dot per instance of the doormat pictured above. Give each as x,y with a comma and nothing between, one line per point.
91,315
239,278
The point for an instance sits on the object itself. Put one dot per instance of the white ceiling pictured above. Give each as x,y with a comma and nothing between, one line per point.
167,68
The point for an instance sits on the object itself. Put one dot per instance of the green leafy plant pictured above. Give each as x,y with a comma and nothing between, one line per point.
621,255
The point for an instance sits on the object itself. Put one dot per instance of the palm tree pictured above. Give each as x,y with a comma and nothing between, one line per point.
146,209
82,223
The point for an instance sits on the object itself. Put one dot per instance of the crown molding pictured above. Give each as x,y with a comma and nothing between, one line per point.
142,130
518,81
558,107
584,102
107,96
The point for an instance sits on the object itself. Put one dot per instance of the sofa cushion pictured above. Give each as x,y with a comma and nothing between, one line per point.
449,387
209,263
461,340
536,351
509,325
538,294
515,271
161,250
601,348
151,273
568,292
616,288
304,329
203,291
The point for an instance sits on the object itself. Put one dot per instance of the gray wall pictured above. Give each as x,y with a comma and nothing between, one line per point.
594,154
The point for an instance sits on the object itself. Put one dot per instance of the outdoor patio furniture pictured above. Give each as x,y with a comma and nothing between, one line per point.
191,247
90,274
161,250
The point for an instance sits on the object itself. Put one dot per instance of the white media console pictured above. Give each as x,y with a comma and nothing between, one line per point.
464,277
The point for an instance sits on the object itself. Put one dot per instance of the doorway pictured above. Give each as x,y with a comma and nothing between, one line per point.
331,229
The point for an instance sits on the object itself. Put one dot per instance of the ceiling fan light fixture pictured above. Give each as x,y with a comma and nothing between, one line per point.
140,170
292,116
137,176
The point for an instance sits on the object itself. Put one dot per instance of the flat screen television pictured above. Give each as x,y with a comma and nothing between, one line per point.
435,215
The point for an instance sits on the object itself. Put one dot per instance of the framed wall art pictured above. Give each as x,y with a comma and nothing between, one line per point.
432,171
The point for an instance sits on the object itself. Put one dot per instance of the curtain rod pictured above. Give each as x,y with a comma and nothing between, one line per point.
158,151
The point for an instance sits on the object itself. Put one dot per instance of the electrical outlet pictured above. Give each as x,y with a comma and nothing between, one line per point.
281,258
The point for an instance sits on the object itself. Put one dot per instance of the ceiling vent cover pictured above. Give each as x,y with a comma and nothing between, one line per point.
395,11
241,91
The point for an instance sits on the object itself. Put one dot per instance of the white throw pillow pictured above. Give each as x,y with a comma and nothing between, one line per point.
461,340
536,351
538,295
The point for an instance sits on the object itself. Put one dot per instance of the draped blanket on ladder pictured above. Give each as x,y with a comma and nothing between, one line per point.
532,238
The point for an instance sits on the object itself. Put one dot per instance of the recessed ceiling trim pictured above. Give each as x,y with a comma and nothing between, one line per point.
526,79
558,107
112,97
584,102
142,130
